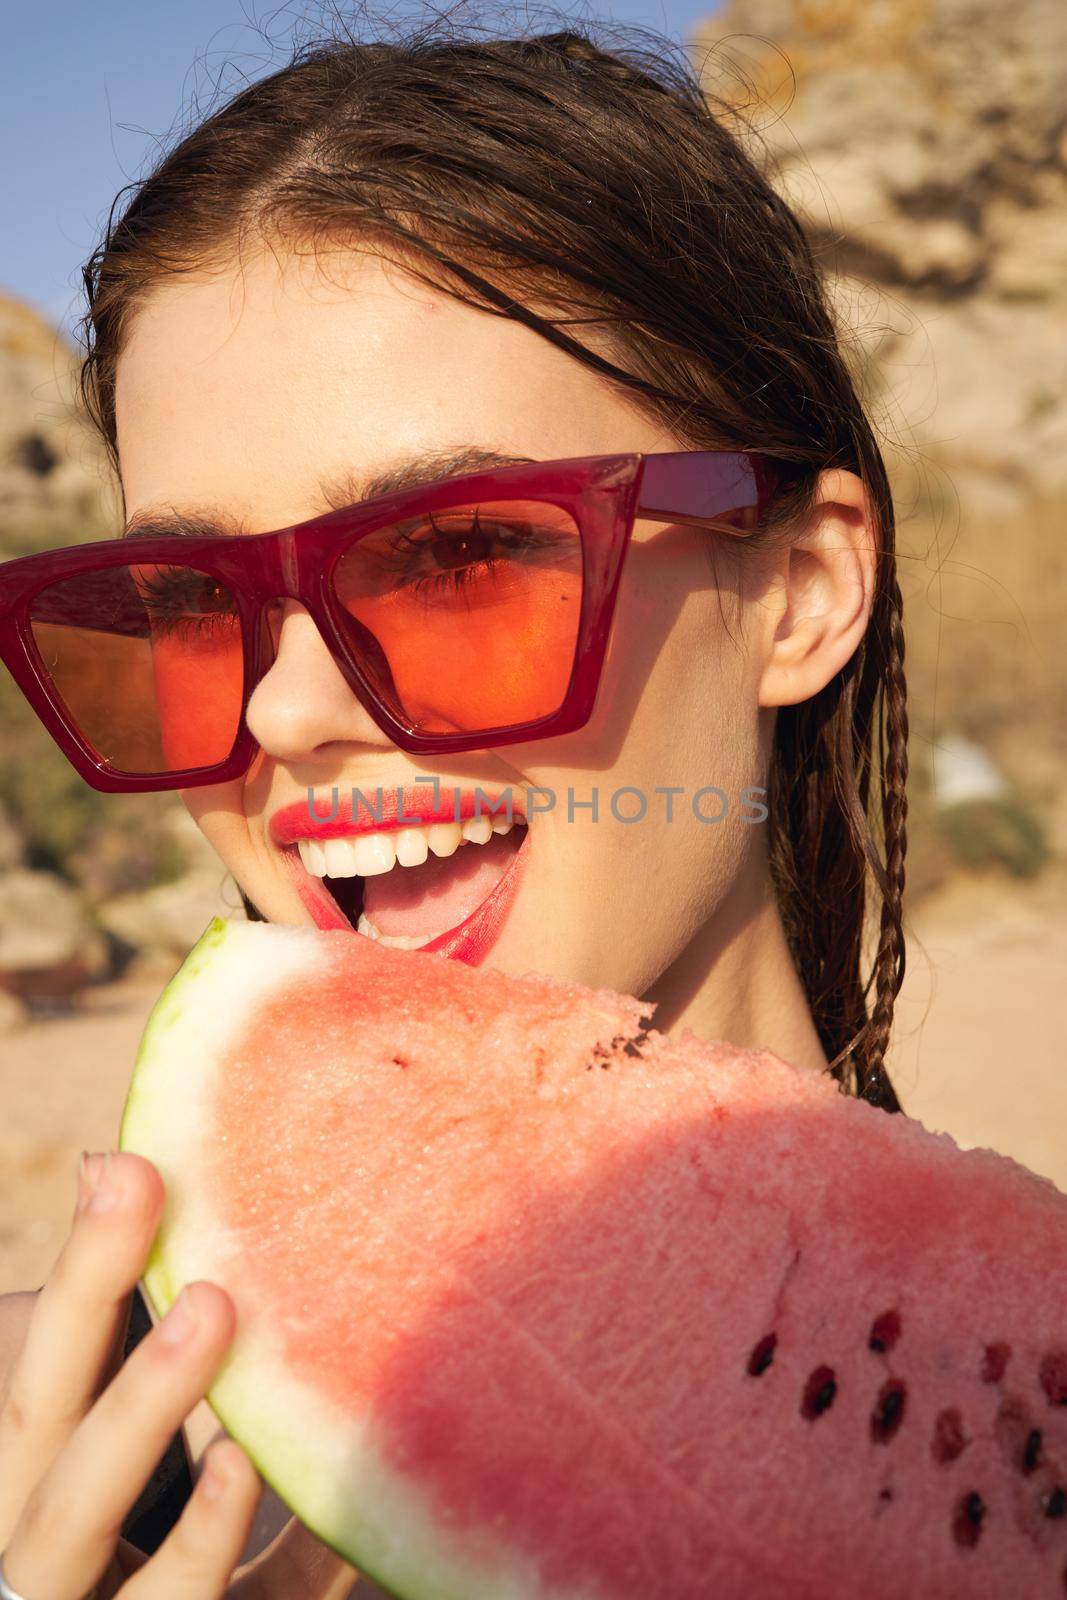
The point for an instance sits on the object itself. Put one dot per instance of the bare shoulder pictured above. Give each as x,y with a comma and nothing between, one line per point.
15,1312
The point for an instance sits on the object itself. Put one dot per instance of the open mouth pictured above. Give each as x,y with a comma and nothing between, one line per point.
434,884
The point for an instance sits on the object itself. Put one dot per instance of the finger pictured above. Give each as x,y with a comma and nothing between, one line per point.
73,1340
69,1527
197,1558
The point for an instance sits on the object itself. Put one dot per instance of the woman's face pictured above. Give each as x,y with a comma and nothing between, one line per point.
239,397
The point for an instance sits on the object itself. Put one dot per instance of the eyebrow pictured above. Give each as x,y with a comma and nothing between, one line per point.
347,489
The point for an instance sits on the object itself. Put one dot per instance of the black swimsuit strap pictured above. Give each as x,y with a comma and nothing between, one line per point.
160,1503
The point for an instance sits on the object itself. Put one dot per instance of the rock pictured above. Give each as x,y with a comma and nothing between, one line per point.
10,843
975,407
55,485
182,831
48,943
166,921
963,771
923,146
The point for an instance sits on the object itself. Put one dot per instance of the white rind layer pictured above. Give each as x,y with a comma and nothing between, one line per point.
326,1468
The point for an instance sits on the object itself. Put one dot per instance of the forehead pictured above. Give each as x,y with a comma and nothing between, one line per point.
245,388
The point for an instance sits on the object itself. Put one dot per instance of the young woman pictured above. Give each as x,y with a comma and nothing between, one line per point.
589,520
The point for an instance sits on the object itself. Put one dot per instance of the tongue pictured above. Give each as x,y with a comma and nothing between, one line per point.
443,891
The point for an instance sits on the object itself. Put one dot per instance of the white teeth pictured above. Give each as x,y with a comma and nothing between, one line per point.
443,838
411,847
313,857
368,854
374,853
340,858
396,941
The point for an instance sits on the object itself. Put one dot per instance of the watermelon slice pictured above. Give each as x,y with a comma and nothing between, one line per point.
533,1302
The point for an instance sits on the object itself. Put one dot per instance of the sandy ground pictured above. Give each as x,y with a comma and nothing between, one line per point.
979,1052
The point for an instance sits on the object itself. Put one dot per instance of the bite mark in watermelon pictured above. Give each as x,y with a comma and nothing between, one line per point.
534,1302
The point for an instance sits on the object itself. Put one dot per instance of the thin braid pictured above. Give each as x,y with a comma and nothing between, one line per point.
890,959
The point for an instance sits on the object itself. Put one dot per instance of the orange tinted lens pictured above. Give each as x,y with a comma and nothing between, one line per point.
472,613
147,661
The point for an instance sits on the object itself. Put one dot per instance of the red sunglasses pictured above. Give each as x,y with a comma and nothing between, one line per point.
465,614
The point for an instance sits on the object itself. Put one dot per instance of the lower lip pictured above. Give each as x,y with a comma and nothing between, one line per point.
470,941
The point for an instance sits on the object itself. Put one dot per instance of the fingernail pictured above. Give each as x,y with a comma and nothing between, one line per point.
212,1482
85,1183
179,1322
90,1168
105,1195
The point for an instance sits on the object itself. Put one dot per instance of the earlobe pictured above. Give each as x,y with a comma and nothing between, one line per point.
824,594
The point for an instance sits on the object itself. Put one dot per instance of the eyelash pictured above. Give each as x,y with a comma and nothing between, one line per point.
166,603
171,606
530,540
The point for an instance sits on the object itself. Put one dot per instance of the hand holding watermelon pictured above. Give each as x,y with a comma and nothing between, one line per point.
80,1433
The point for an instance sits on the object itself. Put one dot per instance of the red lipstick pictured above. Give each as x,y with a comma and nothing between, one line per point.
354,812
344,814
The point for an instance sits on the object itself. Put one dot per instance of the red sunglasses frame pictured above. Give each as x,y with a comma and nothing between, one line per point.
604,494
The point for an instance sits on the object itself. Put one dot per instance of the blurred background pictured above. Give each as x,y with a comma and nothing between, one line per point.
924,144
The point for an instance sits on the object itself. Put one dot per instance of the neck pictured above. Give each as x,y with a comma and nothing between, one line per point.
736,981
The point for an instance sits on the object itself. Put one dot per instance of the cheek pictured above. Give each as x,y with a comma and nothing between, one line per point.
219,811
677,712
670,752
679,694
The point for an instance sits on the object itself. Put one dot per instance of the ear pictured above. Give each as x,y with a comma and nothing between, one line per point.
818,599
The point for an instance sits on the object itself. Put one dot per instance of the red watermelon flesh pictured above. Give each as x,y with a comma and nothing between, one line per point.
534,1302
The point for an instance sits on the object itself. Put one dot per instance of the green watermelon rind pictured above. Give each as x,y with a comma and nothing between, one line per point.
158,1281
164,1015
237,1391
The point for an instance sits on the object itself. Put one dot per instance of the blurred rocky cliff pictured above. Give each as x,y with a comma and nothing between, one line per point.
924,145
54,487
88,882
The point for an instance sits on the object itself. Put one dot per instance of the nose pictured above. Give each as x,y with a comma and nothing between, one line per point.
302,707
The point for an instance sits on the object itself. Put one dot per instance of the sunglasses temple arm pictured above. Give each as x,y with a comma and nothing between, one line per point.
703,489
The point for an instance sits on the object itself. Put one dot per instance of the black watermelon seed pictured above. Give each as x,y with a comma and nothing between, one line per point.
885,1331
1015,1432
1032,1450
888,1410
1054,1377
1054,1502
967,1524
995,1362
762,1355
885,1494
949,1439
819,1393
